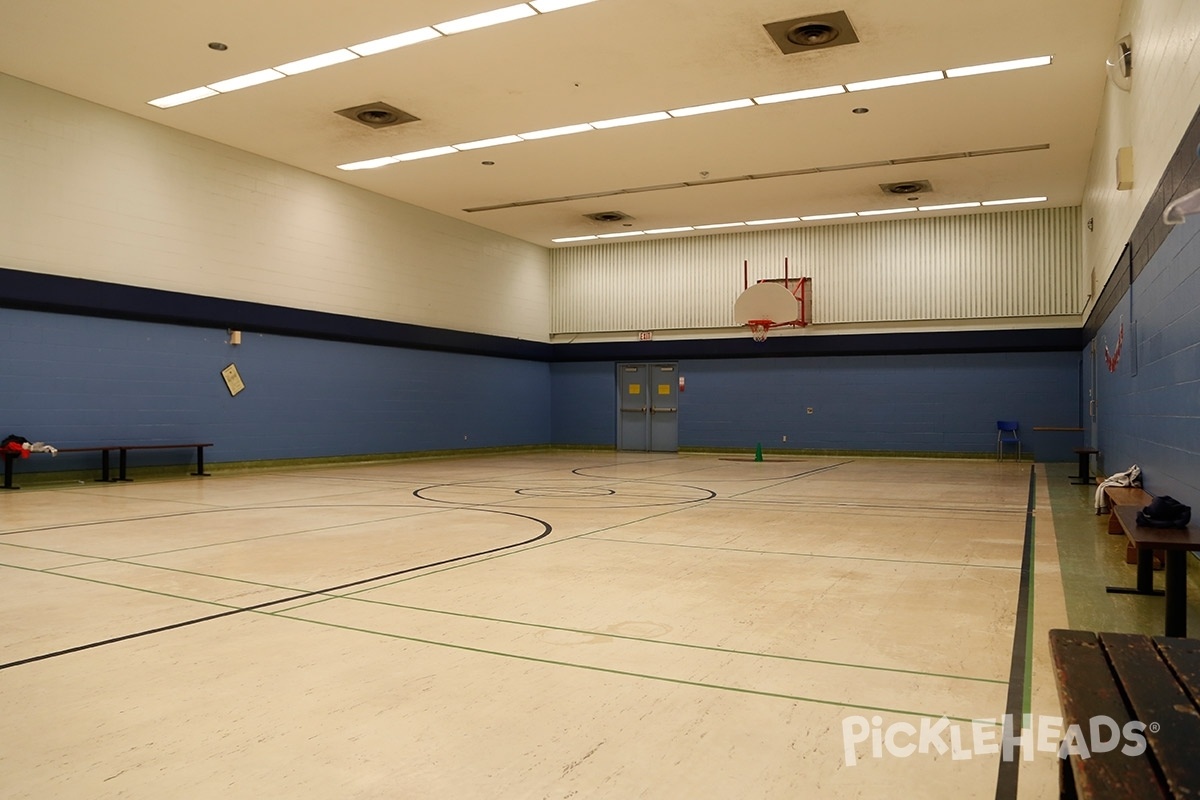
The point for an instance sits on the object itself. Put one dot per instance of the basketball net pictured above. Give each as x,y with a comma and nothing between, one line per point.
759,328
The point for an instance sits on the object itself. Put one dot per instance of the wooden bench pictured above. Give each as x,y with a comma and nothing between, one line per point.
1085,464
1129,678
122,458
1134,497
1177,542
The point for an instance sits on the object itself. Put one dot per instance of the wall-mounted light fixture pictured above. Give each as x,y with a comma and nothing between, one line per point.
235,337
1120,64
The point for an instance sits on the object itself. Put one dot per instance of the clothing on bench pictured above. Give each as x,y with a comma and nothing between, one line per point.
1130,477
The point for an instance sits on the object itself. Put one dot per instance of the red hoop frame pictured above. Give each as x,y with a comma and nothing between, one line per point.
800,292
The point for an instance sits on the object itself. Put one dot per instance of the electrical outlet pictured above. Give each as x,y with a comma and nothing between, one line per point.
785,437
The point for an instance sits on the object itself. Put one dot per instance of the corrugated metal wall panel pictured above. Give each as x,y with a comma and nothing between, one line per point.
984,266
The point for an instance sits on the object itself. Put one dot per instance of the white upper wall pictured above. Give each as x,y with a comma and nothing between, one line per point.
1151,118
88,192
998,269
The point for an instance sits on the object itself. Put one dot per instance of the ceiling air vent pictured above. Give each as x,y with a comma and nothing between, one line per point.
377,115
608,216
817,32
906,187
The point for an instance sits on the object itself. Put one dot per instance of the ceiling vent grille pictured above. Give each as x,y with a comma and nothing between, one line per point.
817,32
608,216
907,187
377,115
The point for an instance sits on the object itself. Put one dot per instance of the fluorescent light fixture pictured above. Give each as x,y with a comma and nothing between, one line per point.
842,215
494,17
772,221
803,94
498,140
637,119
573,239
546,6
561,131
672,230
316,62
948,206
881,211
719,225
1000,66
430,153
371,163
243,81
394,42
619,235
179,98
711,107
1014,200
899,80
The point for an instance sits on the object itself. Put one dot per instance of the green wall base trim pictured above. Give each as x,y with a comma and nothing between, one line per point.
801,452
32,479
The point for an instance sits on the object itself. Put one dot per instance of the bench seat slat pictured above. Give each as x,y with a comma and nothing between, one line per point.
1184,657
1157,697
1088,688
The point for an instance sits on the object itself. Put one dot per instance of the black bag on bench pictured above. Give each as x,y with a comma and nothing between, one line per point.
1165,512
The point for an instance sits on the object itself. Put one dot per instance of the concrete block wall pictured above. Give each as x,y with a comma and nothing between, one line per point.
1148,405
944,403
80,381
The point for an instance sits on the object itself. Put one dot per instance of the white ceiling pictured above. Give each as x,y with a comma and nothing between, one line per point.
606,59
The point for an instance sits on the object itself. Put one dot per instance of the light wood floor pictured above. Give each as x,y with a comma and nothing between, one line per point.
547,625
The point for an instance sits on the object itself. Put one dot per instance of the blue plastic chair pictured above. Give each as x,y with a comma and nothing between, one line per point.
1006,433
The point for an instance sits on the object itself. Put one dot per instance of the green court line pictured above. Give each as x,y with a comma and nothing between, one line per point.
791,478
611,671
457,507
497,555
1027,699
799,555
142,589
288,614
688,645
54,571
100,560
891,508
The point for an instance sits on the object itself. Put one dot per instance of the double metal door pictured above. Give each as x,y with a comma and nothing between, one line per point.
648,407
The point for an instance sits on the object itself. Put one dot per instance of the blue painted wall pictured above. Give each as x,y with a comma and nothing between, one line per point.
77,381
1152,418
912,403
584,403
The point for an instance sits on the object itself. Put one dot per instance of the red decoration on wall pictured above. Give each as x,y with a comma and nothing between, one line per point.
1115,358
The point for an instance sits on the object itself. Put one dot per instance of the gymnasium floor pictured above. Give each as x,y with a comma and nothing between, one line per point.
541,625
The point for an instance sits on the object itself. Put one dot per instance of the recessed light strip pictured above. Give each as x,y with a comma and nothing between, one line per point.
745,102
809,218
373,47
761,176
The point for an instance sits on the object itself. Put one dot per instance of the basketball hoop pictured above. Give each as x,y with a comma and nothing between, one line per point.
759,329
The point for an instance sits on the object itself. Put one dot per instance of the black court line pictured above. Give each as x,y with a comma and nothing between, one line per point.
547,529
1010,767
488,485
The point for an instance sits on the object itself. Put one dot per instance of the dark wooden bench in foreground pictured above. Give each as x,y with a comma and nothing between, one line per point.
1176,542
1129,678
122,458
